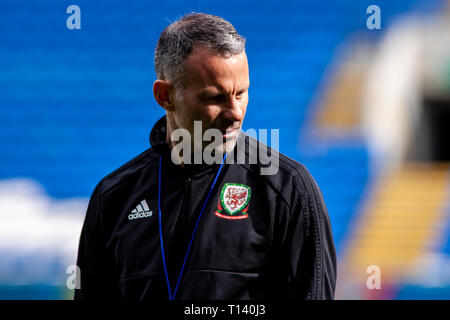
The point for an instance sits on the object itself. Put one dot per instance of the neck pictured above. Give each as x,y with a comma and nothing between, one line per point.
170,124
170,127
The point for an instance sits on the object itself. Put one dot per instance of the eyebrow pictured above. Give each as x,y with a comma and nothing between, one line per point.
213,90
246,88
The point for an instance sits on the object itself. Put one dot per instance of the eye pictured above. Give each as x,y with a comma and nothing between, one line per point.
217,97
241,94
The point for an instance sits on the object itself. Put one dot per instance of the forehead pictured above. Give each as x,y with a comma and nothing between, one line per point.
206,68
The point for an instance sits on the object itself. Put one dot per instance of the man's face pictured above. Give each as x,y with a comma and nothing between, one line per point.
215,92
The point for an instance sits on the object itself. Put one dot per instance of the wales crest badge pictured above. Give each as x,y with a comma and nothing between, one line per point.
233,201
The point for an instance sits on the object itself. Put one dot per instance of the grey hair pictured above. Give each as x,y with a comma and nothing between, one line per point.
178,40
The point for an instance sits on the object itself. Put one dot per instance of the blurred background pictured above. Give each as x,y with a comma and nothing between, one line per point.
366,110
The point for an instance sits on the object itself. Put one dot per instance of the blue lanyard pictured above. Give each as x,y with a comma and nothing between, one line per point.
172,297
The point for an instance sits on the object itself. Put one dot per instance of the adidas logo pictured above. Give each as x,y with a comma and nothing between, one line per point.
141,211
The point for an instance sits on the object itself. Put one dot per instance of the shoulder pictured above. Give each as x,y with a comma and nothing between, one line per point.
286,175
127,171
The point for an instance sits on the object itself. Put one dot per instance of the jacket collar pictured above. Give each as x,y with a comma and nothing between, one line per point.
158,136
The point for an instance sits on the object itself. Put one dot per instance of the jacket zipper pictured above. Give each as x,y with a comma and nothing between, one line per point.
185,218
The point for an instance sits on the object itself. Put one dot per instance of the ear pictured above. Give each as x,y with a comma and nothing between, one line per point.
162,92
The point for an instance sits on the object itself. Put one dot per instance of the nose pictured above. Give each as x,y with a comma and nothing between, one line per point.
234,110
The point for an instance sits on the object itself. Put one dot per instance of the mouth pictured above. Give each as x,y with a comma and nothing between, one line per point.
228,133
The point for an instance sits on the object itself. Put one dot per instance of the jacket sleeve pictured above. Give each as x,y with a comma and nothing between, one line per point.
96,266
311,261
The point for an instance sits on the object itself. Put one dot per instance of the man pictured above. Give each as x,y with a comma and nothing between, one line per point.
163,227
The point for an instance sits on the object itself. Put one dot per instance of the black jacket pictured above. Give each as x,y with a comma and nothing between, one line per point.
278,246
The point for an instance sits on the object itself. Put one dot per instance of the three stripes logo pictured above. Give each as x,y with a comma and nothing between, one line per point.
142,211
